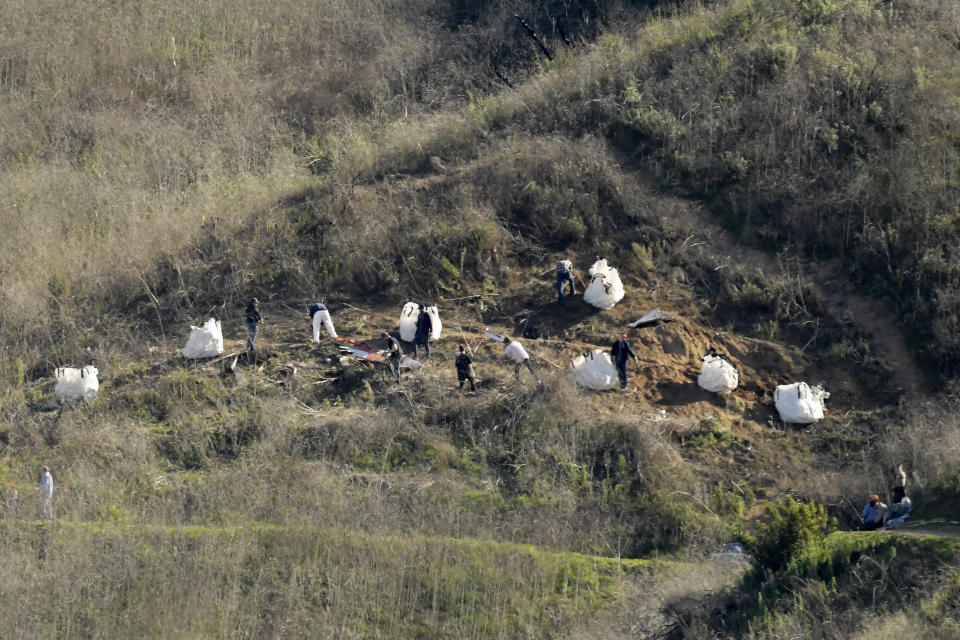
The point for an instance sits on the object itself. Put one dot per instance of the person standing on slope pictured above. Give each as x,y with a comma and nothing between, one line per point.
319,314
422,337
465,369
46,494
564,276
253,319
620,351
899,488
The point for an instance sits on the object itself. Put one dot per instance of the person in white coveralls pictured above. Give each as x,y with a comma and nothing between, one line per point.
564,277
46,494
519,355
320,315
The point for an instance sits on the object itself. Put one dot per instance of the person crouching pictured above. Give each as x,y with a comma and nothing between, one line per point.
520,357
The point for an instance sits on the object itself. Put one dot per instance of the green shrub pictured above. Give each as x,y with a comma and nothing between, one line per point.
16,371
787,530
654,124
813,11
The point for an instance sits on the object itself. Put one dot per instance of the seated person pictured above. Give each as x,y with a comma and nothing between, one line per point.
898,513
872,514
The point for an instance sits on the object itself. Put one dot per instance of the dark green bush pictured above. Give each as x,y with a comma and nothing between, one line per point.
787,530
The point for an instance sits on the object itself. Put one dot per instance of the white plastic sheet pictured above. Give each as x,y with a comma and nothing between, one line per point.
800,403
406,362
718,375
493,335
76,384
605,288
205,341
653,318
732,554
595,370
408,322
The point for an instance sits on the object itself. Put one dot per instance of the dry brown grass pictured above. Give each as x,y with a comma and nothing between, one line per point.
286,582
288,151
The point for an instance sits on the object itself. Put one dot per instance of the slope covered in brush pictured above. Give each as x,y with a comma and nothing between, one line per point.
778,174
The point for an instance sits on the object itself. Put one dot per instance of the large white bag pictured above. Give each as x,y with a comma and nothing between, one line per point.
75,384
205,341
595,370
717,375
605,288
799,403
408,322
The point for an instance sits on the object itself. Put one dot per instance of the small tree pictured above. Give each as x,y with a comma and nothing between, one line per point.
786,530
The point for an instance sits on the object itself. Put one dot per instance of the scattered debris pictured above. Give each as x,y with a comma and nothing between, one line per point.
356,351
359,350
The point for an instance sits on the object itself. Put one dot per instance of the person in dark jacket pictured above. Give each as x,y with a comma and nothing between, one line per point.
620,351
465,369
424,329
394,352
253,319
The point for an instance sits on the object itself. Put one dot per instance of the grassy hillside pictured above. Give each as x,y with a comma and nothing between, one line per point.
849,585
268,581
125,151
780,175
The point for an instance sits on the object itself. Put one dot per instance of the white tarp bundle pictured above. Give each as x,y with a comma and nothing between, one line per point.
653,318
406,362
594,370
718,375
605,288
205,341
408,322
800,403
75,384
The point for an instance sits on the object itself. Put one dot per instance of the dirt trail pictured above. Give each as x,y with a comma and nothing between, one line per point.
841,298
874,318
842,302
942,529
